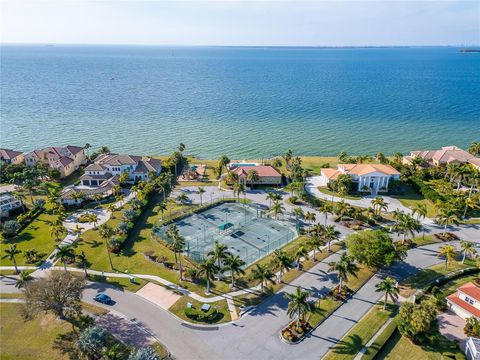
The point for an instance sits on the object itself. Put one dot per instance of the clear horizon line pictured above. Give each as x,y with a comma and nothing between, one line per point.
241,46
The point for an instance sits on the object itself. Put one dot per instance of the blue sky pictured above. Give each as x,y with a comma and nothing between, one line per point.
263,23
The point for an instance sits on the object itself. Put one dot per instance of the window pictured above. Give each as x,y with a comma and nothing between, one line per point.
470,301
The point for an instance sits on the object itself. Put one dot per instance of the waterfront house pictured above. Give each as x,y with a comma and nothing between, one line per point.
8,203
267,174
465,302
446,155
65,159
8,156
375,177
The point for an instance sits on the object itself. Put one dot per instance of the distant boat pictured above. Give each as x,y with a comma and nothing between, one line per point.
470,50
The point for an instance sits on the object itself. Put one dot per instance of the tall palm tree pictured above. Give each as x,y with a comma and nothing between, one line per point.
201,191
182,198
178,246
379,205
277,208
83,262
223,162
420,210
468,248
219,254
302,252
263,274
11,252
56,231
106,232
446,217
23,280
448,252
238,188
389,287
252,176
162,207
298,305
273,196
330,233
299,214
234,264
344,266
342,209
310,217
208,269
326,209
64,254
282,262
315,239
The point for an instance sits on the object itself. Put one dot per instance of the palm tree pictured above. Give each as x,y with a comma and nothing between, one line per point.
12,251
344,266
64,254
234,264
330,233
302,252
315,240
219,254
23,280
277,208
106,232
299,214
238,188
83,262
342,209
178,246
263,274
298,305
389,287
310,217
474,148
29,185
273,196
201,191
182,198
420,210
468,248
326,208
162,207
379,205
56,231
282,262
252,176
449,253
223,162
446,217
208,269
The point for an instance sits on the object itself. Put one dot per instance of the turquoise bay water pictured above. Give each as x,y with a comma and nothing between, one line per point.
242,102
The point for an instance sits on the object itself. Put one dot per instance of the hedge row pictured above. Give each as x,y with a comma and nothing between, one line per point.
380,341
117,242
25,219
424,189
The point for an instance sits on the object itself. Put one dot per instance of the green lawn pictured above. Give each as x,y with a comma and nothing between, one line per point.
425,240
179,310
35,236
361,333
324,308
31,340
425,276
327,191
435,347
410,198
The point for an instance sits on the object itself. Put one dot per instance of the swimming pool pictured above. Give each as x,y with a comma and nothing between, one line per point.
233,165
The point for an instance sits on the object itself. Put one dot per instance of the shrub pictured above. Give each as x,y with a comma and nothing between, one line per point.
11,227
144,354
84,218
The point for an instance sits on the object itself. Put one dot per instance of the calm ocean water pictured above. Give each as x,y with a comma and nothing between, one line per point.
243,102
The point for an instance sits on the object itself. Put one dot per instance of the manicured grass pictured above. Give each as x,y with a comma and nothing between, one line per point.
425,276
472,221
434,347
324,308
161,351
451,286
380,341
35,236
327,191
179,310
315,163
12,296
361,333
29,340
410,198
123,283
426,240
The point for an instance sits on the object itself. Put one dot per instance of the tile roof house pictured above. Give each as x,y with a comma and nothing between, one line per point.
465,302
444,156
65,159
9,156
376,177
267,174
103,175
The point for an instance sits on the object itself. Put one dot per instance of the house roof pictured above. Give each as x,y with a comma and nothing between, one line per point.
471,290
8,154
65,160
74,149
262,170
446,155
359,169
94,167
454,298
117,160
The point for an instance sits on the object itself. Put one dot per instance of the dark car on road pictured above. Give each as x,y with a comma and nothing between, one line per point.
103,298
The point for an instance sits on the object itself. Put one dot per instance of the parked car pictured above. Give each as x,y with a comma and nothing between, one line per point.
103,298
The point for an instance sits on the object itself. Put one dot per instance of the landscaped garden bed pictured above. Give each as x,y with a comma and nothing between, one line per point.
446,237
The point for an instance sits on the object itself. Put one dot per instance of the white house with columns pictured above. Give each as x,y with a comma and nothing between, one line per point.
367,177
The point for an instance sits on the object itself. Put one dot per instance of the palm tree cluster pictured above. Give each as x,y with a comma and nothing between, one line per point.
405,225
344,267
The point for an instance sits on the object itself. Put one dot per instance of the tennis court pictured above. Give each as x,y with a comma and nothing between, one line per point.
239,226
